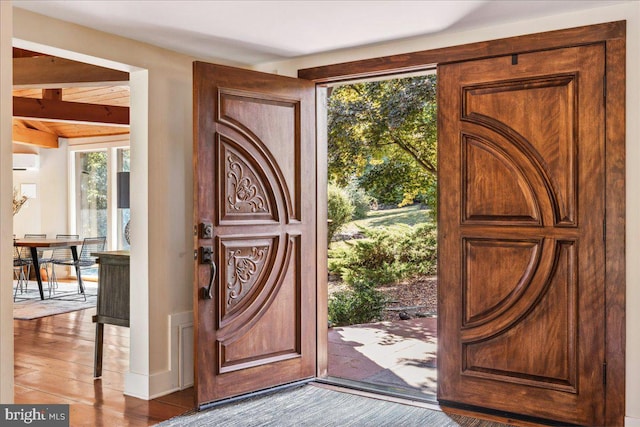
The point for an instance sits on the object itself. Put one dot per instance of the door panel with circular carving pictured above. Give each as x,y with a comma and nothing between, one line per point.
255,135
521,250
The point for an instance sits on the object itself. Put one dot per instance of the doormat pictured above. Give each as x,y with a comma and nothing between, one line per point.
313,405
28,305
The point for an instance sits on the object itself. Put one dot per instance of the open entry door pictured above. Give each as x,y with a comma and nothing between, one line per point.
521,317
255,208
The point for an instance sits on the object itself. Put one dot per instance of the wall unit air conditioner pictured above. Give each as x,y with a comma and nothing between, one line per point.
25,161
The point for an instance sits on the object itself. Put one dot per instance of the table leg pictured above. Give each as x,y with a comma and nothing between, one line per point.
97,356
36,265
74,253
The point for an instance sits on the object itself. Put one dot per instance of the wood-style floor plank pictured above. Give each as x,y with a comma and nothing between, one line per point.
54,364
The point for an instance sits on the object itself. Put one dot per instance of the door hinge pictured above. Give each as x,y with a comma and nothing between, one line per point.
604,373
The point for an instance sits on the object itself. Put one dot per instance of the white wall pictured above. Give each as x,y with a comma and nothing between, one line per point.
629,12
6,246
161,180
47,213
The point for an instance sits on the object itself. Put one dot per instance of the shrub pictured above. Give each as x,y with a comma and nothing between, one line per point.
363,303
372,259
337,257
418,250
360,200
388,255
430,199
339,210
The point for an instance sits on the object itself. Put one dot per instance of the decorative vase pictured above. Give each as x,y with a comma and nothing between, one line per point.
126,232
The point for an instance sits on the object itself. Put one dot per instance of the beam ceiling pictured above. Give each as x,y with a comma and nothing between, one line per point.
55,110
56,97
50,71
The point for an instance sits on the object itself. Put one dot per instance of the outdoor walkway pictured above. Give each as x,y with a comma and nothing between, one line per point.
400,354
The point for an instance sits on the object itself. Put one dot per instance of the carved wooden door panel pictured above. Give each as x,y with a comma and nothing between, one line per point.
521,251
254,173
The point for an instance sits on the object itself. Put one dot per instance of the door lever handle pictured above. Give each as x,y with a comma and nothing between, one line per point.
206,292
206,257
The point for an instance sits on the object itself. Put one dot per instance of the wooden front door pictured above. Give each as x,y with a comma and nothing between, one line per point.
255,207
521,316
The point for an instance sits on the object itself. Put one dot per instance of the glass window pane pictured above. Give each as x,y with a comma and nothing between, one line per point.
91,197
91,193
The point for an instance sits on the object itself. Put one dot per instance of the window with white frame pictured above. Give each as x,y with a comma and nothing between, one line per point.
93,191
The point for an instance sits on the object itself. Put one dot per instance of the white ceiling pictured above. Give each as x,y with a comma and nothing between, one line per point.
251,32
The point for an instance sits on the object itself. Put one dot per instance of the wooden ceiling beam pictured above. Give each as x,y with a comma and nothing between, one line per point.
50,70
35,124
35,137
52,109
24,53
52,94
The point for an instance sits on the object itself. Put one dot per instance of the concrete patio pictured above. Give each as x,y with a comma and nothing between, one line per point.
399,354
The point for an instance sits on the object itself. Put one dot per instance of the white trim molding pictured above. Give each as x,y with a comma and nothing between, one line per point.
181,348
180,375
631,422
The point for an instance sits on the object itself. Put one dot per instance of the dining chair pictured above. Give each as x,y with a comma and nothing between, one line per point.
25,253
59,254
85,259
18,271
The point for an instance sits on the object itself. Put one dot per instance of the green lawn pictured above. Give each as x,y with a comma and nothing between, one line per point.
410,215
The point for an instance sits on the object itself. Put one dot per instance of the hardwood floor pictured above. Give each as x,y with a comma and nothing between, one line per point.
54,364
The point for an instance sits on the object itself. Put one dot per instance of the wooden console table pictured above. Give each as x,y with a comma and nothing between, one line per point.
113,297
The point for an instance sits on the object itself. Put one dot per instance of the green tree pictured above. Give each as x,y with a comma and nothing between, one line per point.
93,187
384,133
96,184
339,210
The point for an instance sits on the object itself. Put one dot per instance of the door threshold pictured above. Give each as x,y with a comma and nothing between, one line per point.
257,393
382,391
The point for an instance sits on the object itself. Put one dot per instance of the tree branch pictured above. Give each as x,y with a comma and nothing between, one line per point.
430,167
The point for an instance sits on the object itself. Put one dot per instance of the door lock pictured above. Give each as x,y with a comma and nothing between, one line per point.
206,230
206,254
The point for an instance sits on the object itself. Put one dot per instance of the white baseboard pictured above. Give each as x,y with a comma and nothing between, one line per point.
136,385
149,387
631,422
180,374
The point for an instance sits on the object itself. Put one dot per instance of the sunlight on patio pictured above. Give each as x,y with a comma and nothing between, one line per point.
399,354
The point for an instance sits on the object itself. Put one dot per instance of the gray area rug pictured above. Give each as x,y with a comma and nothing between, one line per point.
28,305
315,406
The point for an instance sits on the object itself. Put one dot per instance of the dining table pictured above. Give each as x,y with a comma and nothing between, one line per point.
37,243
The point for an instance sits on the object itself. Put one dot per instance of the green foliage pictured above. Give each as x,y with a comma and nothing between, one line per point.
362,303
387,255
431,199
360,200
372,259
409,215
93,187
385,133
94,164
396,182
339,209
417,251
